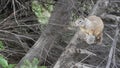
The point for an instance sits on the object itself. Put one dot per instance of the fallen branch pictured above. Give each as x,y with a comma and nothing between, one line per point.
110,16
61,15
82,65
111,57
8,36
99,7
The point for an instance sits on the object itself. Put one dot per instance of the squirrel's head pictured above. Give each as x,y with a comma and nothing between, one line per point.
80,22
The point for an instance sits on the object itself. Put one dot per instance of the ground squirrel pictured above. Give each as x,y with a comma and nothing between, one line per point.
92,27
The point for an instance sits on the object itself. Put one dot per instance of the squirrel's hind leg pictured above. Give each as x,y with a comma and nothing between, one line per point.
99,39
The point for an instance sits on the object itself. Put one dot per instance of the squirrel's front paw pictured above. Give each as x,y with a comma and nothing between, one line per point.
90,39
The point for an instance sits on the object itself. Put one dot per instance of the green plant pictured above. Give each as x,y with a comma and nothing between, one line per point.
33,64
11,65
42,13
1,45
42,67
3,62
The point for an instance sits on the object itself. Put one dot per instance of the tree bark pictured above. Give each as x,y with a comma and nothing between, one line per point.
61,15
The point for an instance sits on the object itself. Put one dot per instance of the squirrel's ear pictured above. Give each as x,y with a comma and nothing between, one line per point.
85,19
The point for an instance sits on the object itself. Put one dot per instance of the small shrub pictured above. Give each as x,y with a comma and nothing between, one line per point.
33,64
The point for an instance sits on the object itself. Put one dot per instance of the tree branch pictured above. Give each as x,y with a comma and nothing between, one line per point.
61,15
110,16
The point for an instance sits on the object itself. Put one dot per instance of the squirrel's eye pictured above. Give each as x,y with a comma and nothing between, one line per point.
80,21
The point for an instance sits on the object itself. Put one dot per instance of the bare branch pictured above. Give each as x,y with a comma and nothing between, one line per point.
99,7
113,48
61,15
110,16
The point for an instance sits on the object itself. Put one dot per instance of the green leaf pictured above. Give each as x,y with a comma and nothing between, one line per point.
28,64
42,13
1,45
42,67
11,65
3,62
35,63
